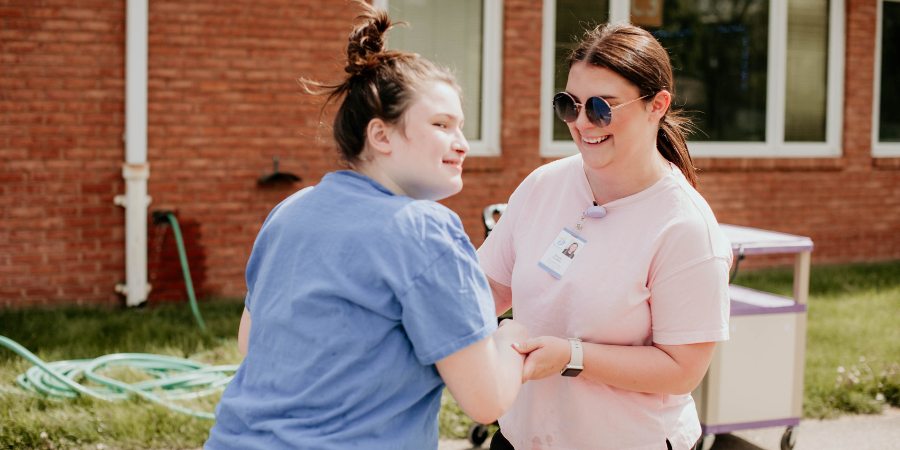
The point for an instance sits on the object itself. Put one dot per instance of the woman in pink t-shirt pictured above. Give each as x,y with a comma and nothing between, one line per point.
627,329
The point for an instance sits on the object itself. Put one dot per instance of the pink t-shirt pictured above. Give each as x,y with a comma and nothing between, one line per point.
655,269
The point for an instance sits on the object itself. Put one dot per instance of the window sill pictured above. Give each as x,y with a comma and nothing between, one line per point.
768,164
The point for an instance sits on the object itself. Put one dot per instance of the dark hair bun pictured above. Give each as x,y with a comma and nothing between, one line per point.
366,46
381,84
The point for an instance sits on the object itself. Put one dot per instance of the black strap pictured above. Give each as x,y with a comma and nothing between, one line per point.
737,261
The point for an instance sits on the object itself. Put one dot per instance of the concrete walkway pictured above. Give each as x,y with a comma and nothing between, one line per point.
881,432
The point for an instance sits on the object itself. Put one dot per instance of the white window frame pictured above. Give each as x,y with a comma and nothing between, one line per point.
774,146
491,83
880,149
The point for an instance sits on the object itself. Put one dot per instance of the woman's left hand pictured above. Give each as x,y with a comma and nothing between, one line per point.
546,356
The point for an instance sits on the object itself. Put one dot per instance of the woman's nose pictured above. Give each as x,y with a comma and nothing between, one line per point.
460,144
582,122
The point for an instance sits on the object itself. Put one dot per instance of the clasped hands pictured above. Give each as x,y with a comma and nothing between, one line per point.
544,355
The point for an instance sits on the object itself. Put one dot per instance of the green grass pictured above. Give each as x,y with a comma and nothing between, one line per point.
452,421
853,324
76,333
72,333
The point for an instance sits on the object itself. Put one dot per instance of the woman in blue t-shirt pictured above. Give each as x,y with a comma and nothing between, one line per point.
366,295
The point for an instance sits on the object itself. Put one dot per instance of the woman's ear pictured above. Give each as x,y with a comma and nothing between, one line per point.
378,136
659,104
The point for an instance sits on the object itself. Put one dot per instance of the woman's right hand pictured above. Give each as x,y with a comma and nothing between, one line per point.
546,356
512,331
483,376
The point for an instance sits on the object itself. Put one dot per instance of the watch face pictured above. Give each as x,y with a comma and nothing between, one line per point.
569,372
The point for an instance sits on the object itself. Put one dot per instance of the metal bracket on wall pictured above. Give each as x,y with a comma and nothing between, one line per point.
277,177
122,200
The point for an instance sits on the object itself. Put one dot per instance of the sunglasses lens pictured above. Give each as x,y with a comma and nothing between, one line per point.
598,111
565,108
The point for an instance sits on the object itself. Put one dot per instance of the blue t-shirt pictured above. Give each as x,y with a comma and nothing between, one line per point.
354,294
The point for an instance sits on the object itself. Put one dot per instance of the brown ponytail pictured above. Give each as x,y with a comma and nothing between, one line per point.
637,56
380,84
671,141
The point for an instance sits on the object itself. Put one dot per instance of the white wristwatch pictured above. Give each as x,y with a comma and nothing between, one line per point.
575,365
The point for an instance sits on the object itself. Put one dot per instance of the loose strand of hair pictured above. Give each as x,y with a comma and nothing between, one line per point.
332,91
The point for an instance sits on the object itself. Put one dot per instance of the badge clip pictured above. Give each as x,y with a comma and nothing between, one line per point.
595,212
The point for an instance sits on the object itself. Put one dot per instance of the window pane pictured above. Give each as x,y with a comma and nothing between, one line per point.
449,33
573,18
719,50
807,71
888,114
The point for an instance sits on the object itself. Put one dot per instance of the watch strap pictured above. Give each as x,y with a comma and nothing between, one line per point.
577,352
576,360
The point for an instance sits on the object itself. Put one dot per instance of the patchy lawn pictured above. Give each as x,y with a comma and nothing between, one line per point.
853,351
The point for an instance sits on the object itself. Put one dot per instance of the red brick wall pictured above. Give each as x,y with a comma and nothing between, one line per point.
223,101
61,124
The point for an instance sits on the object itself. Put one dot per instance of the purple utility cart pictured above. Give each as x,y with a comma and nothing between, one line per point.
755,379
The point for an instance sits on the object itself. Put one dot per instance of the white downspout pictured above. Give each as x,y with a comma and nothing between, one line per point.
135,171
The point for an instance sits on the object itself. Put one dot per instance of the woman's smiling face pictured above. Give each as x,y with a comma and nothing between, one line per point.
630,130
429,146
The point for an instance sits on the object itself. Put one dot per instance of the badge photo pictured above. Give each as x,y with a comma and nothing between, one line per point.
562,252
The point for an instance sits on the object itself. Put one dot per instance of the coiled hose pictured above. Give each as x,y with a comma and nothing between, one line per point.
175,378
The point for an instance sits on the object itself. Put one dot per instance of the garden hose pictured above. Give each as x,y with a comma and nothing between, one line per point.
174,378
158,216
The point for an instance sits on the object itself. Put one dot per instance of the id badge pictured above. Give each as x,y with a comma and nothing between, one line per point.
562,252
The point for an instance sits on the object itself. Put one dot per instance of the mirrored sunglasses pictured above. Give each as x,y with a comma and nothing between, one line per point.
597,109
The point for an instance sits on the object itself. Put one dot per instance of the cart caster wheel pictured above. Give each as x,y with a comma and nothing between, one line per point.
705,442
477,434
789,438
